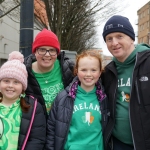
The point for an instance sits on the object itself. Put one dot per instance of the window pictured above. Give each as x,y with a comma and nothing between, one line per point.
2,61
142,27
144,14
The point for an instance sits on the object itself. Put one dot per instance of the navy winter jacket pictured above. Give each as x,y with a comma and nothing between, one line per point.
60,116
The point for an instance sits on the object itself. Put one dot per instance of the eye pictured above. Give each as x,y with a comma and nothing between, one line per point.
83,69
6,81
16,82
120,36
108,39
93,70
42,49
53,50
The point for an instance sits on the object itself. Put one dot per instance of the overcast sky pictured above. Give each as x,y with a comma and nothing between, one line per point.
131,13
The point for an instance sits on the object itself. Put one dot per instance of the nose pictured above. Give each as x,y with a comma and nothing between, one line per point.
47,53
10,84
88,73
114,42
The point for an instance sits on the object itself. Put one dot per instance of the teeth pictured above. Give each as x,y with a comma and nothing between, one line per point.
88,79
9,91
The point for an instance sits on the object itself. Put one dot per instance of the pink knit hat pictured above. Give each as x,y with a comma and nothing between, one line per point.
46,38
14,68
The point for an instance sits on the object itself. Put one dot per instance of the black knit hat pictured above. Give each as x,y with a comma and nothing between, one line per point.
118,24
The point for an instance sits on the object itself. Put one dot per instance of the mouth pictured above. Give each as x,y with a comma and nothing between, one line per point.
116,49
88,79
9,91
46,60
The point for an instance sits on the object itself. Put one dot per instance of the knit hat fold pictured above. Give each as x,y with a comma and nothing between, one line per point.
14,68
46,38
118,24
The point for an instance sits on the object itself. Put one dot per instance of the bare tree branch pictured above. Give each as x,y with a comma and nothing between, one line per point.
75,21
9,11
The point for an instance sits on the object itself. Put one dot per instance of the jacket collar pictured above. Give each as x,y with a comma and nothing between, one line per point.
72,89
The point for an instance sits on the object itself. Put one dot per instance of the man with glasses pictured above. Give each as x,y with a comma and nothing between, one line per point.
49,70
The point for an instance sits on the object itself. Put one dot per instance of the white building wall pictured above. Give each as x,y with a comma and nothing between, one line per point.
9,36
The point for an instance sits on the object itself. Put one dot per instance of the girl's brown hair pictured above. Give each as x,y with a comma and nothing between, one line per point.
24,106
87,53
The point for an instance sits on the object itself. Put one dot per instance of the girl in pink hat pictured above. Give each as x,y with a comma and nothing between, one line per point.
20,127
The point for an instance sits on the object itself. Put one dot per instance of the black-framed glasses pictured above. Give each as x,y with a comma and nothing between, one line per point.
43,51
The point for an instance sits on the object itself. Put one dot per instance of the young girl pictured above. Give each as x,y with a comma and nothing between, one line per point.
79,113
22,121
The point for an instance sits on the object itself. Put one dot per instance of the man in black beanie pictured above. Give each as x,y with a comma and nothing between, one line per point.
127,82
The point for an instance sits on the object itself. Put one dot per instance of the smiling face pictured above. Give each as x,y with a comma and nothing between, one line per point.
10,89
45,62
120,45
88,72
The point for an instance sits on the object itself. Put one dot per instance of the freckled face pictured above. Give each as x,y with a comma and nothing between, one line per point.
88,72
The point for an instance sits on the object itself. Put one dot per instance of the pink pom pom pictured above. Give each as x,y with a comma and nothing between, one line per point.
15,55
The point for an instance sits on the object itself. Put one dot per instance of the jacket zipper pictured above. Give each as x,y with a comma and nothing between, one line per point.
137,92
130,104
113,115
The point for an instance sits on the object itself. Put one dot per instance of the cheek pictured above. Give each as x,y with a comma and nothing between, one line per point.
108,44
54,57
97,75
80,74
37,56
20,88
2,87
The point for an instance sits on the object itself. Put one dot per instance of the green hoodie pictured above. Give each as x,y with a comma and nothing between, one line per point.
122,130
85,131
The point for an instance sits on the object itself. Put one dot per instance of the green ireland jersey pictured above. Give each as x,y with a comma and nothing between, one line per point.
122,129
10,119
85,131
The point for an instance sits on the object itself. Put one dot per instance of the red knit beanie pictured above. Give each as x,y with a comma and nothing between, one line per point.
46,38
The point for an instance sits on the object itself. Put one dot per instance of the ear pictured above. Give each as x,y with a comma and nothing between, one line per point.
132,42
75,72
35,53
